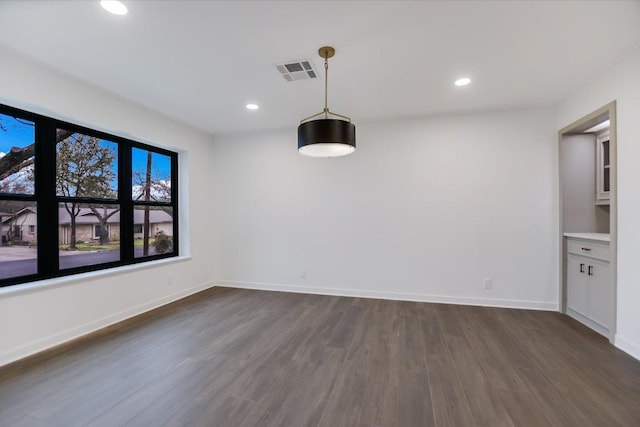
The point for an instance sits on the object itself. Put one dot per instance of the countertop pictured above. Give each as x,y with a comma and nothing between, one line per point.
601,237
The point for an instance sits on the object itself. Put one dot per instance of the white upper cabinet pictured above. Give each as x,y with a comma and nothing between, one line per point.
603,168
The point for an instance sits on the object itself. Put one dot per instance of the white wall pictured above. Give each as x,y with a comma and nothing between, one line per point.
424,210
620,83
34,317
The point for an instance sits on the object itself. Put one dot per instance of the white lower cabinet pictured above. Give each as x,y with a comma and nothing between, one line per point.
577,286
589,290
599,298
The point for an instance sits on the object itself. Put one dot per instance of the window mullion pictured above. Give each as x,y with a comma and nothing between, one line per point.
45,189
126,204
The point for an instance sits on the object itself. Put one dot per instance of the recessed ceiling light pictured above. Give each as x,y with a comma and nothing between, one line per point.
114,6
252,106
462,82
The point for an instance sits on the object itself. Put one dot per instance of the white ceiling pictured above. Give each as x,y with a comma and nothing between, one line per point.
202,61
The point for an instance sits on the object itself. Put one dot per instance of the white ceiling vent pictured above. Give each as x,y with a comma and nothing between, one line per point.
297,70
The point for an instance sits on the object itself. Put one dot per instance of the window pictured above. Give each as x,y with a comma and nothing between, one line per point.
106,201
152,197
17,154
157,237
18,203
87,169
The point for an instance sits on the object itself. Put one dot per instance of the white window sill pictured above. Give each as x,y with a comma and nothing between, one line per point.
99,274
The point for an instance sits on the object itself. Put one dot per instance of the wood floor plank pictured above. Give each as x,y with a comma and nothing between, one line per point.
450,406
557,361
231,357
484,400
494,361
594,350
557,408
415,406
158,400
412,347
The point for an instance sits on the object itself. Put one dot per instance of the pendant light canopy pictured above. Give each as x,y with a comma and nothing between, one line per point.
326,137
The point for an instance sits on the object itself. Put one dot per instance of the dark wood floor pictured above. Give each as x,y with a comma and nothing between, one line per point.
229,357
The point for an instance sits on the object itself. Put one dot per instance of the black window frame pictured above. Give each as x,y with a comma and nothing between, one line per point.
47,200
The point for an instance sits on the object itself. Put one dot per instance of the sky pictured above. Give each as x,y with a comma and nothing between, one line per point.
160,164
20,133
15,133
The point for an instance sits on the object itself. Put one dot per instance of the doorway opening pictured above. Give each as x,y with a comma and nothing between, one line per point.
588,220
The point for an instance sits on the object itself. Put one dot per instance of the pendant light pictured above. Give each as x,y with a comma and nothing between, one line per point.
326,137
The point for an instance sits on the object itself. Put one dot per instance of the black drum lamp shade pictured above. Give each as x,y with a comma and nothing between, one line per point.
326,138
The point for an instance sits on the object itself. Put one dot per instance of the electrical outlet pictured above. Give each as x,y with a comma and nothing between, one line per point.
486,283
303,274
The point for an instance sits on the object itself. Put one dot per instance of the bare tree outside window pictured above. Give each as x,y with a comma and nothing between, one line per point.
151,179
85,168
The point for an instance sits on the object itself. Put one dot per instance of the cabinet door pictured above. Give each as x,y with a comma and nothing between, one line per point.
599,300
603,169
577,284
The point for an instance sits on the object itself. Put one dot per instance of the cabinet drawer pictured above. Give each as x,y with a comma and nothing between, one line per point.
588,249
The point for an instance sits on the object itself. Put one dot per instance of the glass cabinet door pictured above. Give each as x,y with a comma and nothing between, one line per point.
603,172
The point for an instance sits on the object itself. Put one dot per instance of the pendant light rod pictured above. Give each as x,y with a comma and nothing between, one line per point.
326,52
326,86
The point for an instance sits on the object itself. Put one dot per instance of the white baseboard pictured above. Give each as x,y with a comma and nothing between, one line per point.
399,296
601,329
628,346
77,332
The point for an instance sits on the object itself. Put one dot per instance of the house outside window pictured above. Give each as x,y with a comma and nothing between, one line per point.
98,230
